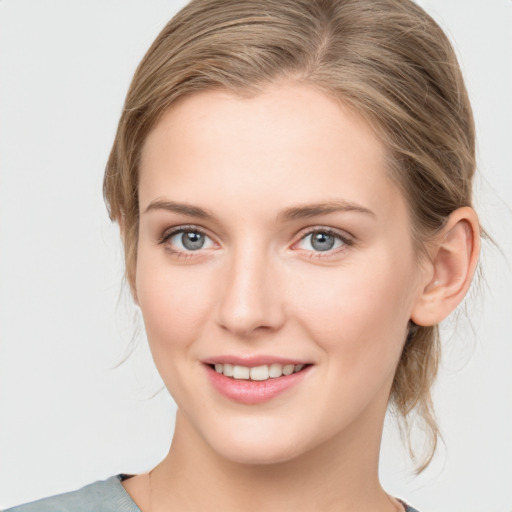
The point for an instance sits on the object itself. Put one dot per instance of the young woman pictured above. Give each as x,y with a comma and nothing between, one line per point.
292,180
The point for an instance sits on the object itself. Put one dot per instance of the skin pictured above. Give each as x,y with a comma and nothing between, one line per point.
259,286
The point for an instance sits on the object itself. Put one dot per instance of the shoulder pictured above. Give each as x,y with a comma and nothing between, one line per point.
102,496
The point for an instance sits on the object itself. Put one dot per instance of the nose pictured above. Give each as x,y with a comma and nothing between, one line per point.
251,297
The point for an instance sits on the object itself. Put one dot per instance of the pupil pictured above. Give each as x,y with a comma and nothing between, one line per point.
322,241
192,240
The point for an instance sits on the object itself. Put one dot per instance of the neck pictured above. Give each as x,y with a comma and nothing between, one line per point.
194,477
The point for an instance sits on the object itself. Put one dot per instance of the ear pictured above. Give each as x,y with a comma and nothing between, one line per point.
453,256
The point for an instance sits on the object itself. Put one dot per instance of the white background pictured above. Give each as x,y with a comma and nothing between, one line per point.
67,416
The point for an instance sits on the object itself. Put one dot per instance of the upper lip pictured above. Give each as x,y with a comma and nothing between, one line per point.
253,360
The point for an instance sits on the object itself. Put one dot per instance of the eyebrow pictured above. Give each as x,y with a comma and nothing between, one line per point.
183,208
304,211
301,211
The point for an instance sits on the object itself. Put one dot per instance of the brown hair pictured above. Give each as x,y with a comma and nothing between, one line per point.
387,59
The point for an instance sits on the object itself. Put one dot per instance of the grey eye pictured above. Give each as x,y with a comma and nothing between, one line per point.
192,240
189,240
322,241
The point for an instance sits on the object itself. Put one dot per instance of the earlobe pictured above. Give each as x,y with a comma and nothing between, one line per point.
453,259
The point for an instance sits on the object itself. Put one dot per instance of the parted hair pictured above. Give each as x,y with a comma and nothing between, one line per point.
388,60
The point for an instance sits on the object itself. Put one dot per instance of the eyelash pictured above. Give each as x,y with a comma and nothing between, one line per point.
169,233
347,241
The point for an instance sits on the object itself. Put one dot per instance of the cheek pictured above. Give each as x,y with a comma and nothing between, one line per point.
174,302
358,312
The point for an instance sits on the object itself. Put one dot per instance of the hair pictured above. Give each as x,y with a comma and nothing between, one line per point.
388,60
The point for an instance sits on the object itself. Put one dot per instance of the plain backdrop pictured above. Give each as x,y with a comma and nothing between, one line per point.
68,415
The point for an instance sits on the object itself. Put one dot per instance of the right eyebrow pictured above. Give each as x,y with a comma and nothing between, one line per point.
182,208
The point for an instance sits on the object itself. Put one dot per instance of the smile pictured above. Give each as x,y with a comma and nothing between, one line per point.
258,373
256,383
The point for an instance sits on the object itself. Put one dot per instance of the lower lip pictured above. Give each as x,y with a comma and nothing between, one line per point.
253,392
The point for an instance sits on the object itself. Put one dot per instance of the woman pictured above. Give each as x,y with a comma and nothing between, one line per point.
292,181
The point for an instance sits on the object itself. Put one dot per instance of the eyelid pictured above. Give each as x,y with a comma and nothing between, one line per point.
346,238
174,230
344,235
169,232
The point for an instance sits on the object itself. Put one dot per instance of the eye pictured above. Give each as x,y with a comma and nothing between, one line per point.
323,240
186,240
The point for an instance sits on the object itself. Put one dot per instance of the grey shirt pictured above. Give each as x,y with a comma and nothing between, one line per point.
103,496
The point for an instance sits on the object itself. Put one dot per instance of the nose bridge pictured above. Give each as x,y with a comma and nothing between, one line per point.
250,298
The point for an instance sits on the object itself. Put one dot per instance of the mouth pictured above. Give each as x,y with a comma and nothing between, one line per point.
257,373
257,383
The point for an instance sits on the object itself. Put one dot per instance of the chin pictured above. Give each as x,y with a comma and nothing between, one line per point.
256,453
262,444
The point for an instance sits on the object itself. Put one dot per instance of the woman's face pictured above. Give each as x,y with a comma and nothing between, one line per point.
272,240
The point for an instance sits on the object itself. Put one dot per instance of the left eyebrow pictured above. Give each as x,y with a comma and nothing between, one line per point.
303,211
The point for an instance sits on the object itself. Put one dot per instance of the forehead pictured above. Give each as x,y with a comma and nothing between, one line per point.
288,142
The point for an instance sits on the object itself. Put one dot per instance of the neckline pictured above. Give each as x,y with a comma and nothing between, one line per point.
121,477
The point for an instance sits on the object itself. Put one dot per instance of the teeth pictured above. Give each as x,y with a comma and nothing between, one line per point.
260,373
275,370
241,372
288,369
